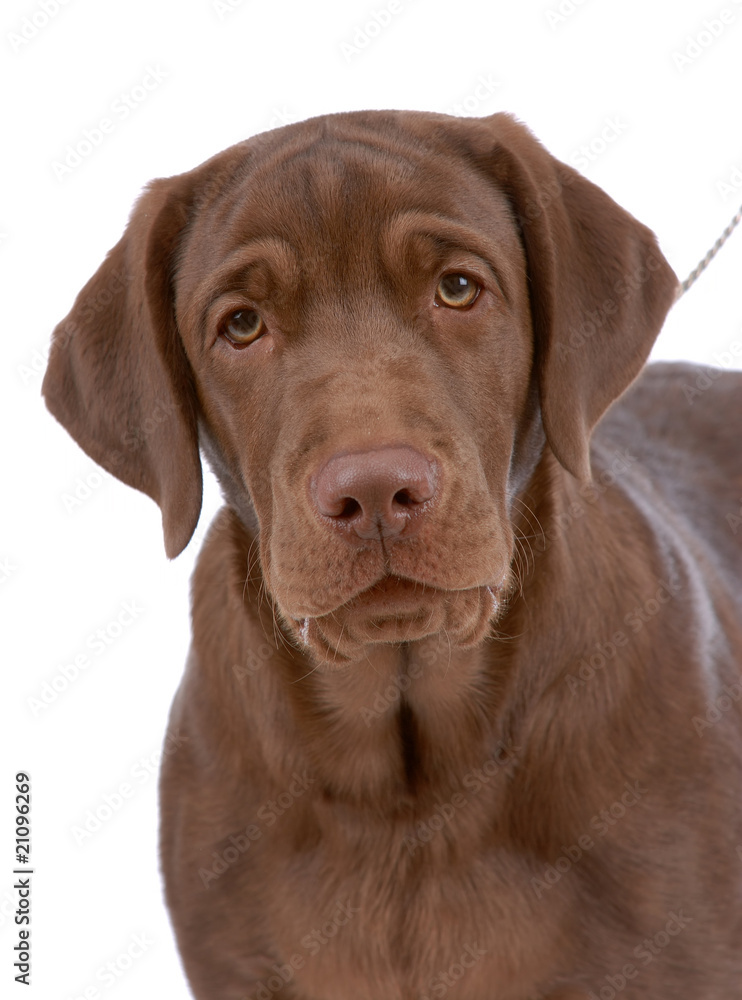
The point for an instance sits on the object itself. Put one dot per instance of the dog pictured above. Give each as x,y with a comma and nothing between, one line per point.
461,715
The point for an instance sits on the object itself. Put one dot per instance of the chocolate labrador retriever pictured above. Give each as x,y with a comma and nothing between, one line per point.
462,713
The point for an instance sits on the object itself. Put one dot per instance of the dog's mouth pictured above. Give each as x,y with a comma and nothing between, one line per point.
397,610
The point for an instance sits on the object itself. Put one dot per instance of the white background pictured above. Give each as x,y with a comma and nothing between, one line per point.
225,76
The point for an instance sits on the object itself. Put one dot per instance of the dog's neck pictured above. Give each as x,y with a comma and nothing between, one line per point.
410,719
403,727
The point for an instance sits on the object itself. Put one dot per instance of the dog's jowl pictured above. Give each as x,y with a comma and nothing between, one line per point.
459,716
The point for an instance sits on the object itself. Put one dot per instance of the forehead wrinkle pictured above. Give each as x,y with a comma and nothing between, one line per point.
379,139
445,233
329,182
352,188
328,196
346,151
229,276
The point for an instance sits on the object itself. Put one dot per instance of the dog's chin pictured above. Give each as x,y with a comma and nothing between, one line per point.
397,611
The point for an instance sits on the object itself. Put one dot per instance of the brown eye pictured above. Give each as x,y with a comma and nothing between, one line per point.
243,327
456,291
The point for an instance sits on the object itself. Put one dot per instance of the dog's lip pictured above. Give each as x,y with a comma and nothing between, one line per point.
398,595
393,589
398,610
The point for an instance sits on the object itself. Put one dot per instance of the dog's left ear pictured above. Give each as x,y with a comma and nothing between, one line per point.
118,378
599,287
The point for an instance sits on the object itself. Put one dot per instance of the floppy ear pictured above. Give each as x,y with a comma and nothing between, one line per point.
599,287
118,378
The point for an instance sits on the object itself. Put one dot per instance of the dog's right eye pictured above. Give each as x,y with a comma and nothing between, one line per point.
457,291
243,327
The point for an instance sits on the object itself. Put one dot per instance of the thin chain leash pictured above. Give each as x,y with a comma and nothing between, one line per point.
703,264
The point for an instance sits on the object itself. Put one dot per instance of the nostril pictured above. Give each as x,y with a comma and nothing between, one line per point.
404,499
349,508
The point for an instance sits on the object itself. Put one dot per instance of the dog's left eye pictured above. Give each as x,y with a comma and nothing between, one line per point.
243,327
456,291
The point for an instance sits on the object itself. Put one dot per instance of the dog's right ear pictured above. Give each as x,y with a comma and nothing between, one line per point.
118,378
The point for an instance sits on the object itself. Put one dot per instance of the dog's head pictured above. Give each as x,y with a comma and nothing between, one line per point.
373,324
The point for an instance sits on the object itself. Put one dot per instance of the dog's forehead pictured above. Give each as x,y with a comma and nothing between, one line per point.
332,186
338,157
335,181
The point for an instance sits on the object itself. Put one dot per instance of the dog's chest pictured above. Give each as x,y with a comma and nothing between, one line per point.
408,904
374,915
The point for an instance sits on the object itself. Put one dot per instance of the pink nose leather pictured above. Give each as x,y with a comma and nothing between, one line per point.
376,494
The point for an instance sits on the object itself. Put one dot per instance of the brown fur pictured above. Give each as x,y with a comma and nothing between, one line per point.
477,760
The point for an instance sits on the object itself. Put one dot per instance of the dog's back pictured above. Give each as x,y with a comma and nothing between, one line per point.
682,424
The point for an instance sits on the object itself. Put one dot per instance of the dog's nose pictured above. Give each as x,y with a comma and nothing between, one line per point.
376,494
